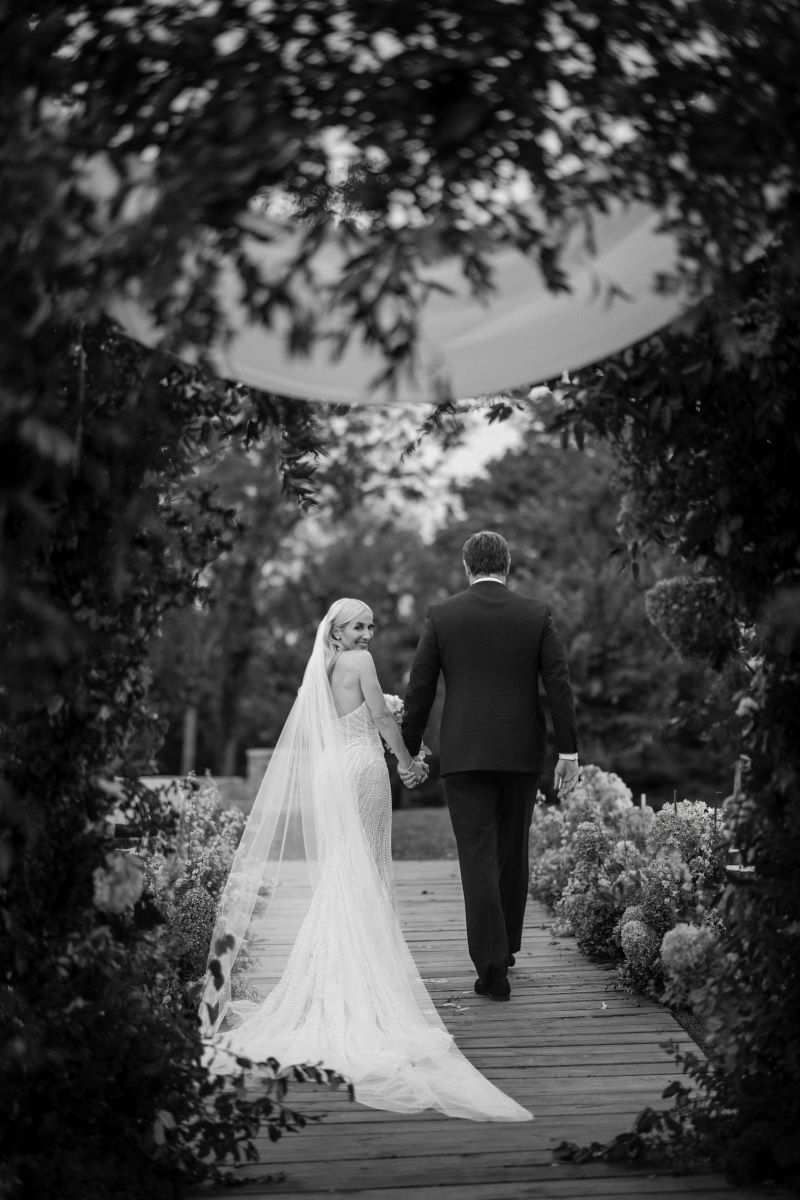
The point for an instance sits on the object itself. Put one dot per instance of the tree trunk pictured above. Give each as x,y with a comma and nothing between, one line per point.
189,745
228,764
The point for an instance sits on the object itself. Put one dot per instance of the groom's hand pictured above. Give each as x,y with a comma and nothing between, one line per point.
566,776
420,768
424,769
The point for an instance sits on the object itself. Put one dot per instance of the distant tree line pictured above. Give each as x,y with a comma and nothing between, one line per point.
235,660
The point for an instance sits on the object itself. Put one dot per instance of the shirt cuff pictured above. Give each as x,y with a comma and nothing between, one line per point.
568,757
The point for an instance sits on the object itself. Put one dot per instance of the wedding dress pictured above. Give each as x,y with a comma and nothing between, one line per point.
310,904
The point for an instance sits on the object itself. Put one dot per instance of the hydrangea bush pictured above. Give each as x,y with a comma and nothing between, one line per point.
621,878
690,955
640,945
184,880
586,857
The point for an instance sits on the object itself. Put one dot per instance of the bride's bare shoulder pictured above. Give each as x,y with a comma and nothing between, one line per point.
354,660
350,663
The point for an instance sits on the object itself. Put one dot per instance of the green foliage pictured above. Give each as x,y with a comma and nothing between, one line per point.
755,1145
550,866
708,435
190,920
95,543
184,878
707,417
640,944
208,655
676,1137
420,834
243,651
619,877
237,658
689,957
692,614
585,856
208,836
441,107
100,545
558,507
104,1093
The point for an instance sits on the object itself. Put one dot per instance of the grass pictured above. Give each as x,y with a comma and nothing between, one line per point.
422,833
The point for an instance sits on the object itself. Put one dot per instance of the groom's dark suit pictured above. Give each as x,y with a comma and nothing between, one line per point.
492,647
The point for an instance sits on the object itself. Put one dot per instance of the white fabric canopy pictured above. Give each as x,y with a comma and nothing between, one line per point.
522,335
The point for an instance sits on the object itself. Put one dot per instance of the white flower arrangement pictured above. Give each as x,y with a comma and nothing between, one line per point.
397,708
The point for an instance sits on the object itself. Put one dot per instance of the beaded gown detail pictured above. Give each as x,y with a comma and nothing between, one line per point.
349,996
367,766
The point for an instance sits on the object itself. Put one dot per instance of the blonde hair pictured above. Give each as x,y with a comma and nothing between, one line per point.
340,613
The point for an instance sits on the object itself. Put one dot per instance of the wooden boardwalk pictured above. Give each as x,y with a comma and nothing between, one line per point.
582,1056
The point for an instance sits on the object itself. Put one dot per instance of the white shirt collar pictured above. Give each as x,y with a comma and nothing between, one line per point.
489,579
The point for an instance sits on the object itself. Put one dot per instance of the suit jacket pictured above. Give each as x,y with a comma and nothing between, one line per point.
492,647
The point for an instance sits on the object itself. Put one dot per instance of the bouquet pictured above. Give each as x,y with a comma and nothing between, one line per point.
397,708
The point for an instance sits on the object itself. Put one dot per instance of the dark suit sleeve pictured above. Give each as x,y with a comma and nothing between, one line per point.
555,677
421,691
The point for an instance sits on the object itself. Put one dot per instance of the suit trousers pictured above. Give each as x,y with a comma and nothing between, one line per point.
491,812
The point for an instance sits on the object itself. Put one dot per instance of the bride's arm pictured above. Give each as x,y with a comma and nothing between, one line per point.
381,714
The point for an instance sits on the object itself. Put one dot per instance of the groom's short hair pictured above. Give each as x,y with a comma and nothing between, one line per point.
487,553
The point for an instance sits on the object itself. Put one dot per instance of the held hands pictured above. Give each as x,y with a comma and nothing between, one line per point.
416,773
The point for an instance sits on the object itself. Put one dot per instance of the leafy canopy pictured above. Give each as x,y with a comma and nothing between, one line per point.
451,117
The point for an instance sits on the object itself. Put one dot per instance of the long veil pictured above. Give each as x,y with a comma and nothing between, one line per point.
307,919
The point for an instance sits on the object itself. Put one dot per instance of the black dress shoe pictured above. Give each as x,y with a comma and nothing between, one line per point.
499,990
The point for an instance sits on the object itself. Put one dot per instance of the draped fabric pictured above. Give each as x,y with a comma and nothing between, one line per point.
308,917
521,334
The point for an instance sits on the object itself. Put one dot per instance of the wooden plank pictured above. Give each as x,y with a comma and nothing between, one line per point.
584,1056
705,1187
468,1170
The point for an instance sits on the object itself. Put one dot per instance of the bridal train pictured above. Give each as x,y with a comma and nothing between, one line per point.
311,901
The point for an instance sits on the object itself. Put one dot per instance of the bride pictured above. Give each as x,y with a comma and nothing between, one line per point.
308,909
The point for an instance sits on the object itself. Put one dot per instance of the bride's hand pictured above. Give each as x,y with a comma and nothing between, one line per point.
415,774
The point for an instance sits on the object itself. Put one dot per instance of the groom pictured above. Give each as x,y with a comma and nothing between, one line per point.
492,646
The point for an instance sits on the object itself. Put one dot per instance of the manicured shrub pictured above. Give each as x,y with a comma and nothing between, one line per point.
640,944
689,956
691,612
